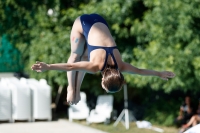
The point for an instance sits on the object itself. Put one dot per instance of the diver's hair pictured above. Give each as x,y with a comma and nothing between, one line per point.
113,79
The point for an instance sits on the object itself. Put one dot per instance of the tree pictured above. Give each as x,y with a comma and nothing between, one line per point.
156,35
168,38
161,35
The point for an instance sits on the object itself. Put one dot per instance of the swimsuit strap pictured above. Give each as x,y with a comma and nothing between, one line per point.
109,50
114,59
106,59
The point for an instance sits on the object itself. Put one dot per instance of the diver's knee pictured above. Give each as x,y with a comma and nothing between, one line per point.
75,57
84,57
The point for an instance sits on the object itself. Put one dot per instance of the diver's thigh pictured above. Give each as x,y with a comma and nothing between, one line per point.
77,44
77,39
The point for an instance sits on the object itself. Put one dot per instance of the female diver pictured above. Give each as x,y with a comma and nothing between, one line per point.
99,54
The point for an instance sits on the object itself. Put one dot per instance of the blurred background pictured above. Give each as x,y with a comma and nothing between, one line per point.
158,35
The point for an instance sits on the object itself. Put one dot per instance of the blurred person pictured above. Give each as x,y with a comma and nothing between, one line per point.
185,112
99,54
195,119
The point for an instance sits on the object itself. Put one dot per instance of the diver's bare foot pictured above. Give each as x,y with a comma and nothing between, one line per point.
70,96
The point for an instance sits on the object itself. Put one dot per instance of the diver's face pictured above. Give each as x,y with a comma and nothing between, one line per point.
105,87
102,80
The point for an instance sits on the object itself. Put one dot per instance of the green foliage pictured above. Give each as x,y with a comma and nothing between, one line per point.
168,40
10,60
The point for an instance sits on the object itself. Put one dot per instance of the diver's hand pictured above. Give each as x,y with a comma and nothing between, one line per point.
165,75
40,66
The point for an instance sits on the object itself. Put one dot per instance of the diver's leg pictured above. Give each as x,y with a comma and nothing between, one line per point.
77,48
79,77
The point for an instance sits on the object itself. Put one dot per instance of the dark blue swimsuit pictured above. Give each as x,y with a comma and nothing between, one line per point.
87,21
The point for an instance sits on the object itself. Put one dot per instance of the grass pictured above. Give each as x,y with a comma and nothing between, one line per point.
132,128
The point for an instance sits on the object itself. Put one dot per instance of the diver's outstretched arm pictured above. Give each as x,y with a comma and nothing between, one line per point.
165,75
